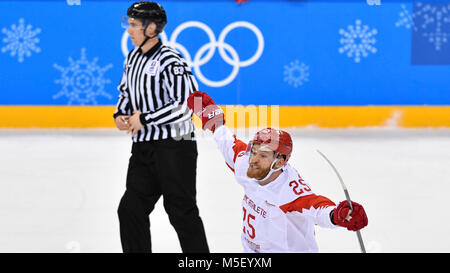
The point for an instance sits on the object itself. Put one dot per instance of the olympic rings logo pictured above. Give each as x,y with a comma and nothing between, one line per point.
210,49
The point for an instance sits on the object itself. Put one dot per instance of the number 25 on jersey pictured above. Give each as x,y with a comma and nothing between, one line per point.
250,230
298,187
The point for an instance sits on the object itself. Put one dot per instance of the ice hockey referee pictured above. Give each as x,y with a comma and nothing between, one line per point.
152,106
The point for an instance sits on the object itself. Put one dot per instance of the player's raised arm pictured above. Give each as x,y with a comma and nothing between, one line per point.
212,117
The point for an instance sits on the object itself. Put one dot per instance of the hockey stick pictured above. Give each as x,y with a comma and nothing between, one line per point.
358,233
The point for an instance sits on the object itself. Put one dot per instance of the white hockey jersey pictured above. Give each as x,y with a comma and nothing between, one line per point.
280,216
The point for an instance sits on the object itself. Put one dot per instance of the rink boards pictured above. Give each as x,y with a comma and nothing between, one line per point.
241,116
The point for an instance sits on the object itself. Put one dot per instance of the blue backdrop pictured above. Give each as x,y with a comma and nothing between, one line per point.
260,52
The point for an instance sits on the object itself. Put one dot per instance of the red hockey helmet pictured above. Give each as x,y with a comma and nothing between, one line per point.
276,140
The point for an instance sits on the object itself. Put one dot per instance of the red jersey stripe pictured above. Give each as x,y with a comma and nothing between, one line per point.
307,202
238,147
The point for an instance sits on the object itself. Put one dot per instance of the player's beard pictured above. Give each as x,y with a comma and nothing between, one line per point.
257,173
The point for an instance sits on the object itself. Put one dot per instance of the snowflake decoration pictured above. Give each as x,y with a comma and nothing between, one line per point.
296,74
406,19
21,40
429,19
82,81
358,41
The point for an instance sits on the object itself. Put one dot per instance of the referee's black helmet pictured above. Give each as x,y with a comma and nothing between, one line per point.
148,12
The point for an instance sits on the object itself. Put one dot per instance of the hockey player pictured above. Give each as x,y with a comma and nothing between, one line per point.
280,209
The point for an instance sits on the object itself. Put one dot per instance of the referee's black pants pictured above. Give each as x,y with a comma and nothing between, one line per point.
168,168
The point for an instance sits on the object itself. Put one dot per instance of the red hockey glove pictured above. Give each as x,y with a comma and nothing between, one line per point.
206,109
355,221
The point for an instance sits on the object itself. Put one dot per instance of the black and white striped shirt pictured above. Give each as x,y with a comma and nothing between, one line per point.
158,84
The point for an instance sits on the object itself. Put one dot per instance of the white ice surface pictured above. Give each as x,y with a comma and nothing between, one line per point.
59,189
